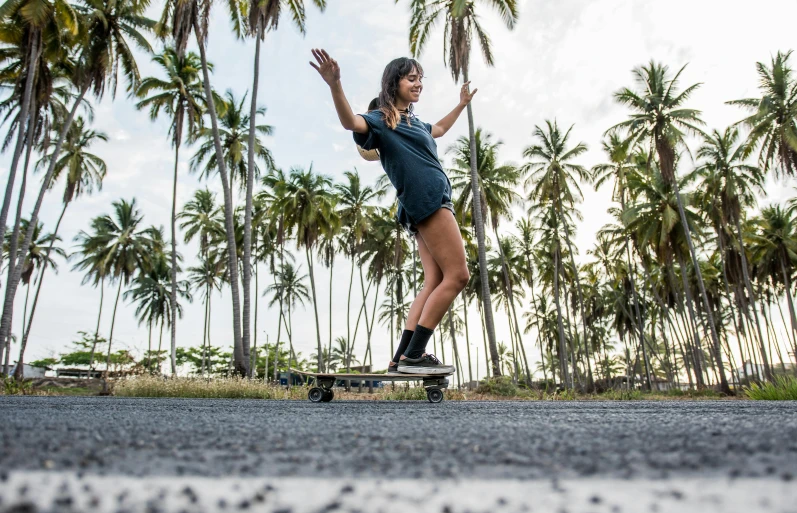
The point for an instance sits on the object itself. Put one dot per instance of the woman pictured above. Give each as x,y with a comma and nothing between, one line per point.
408,154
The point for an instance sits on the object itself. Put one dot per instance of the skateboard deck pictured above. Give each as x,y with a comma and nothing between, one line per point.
322,392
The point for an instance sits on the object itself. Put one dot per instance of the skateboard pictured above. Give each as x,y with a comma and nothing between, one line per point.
322,391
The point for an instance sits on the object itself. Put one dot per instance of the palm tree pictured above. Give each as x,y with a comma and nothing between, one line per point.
773,124
355,213
179,95
497,187
308,207
104,49
152,290
290,290
729,185
36,260
263,16
179,19
121,247
775,249
40,21
84,171
207,276
660,119
553,185
461,22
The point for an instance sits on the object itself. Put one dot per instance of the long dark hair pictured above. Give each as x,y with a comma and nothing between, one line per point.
394,72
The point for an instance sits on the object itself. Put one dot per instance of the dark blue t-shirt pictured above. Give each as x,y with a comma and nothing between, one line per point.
409,157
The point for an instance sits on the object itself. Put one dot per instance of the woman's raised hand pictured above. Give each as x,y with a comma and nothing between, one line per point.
327,67
466,96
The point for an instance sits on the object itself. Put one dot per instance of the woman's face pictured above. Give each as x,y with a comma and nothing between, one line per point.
410,87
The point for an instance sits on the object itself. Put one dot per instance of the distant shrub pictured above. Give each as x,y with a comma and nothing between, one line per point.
13,386
784,388
501,386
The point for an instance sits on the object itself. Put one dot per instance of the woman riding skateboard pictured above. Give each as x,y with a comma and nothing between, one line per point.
408,154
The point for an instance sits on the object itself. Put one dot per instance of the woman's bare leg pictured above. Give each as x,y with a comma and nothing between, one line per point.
441,237
432,276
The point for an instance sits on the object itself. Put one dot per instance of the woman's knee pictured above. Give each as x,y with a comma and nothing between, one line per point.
459,278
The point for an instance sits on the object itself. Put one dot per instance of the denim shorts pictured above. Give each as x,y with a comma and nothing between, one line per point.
412,230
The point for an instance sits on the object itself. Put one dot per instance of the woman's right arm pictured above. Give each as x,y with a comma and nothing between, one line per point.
329,70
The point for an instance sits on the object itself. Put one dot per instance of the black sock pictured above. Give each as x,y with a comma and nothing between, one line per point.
418,342
406,335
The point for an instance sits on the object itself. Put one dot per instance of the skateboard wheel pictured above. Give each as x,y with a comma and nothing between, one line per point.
435,395
328,396
316,394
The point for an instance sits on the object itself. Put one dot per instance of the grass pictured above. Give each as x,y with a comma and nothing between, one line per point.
784,388
500,389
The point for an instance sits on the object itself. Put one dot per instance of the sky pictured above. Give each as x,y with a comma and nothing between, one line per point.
563,61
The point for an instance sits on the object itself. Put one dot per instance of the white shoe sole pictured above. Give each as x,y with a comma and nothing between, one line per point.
441,369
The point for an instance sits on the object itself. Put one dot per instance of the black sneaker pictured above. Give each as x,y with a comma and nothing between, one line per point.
426,364
392,370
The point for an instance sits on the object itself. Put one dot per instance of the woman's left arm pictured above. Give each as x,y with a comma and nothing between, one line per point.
440,128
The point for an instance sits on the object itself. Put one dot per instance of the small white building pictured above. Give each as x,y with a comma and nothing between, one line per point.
29,371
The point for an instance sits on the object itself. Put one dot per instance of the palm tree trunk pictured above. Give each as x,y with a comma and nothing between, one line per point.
13,246
792,315
210,319
205,333
748,284
590,380
349,342
479,225
113,322
253,372
26,329
173,256
320,362
97,329
19,369
21,137
329,350
723,262
241,362
467,334
149,350
484,337
160,345
565,373
11,287
250,178
454,343
706,306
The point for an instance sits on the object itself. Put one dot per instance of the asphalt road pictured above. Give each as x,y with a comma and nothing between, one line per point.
454,442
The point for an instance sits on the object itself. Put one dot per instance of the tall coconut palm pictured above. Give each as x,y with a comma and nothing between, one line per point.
498,184
84,172
289,289
207,276
263,16
104,49
180,97
730,184
355,210
39,20
39,256
180,19
775,248
773,123
152,291
660,119
308,207
461,25
554,181
122,247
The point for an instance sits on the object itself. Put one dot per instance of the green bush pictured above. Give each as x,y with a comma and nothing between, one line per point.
502,386
405,393
12,386
622,395
784,388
